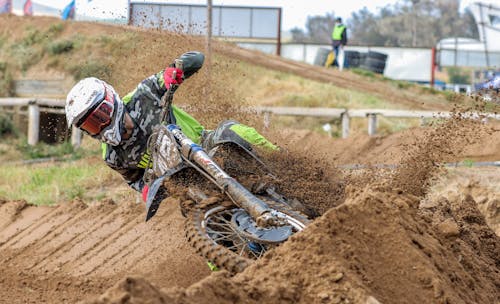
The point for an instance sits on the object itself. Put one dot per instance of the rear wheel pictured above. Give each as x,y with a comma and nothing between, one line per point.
228,237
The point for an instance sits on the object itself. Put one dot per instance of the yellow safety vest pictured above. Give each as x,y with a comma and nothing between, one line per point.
337,32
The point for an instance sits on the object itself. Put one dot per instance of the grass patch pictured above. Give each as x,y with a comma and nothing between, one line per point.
55,28
91,68
80,174
53,183
3,40
118,45
6,126
25,56
403,84
60,47
30,49
363,72
429,90
33,36
469,163
276,88
42,150
6,80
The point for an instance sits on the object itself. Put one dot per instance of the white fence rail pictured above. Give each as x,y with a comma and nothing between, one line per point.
57,106
35,106
371,114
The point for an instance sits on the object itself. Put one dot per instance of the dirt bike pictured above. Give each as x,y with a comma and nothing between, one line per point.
226,222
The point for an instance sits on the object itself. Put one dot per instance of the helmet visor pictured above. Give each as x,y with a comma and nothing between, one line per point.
100,117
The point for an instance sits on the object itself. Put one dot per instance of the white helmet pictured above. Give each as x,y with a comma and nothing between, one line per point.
94,106
85,95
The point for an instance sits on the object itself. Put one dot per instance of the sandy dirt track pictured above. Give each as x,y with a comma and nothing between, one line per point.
60,254
380,245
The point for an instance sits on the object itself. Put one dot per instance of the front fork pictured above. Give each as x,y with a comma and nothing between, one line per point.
239,194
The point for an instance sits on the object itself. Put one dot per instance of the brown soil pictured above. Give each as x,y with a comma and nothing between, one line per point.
65,253
377,246
385,236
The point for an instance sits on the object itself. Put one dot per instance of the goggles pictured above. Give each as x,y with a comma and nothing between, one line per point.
100,117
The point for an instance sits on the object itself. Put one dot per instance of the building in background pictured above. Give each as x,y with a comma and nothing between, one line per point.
37,8
467,52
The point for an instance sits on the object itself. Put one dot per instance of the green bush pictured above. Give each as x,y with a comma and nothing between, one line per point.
91,69
59,47
43,150
26,56
6,126
457,75
56,28
6,81
32,37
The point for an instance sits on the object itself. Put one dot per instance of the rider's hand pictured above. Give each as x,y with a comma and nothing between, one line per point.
168,76
145,191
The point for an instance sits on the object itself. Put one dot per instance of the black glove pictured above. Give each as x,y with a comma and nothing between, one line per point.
191,62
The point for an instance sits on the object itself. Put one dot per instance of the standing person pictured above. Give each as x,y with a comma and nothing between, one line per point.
124,125
339,40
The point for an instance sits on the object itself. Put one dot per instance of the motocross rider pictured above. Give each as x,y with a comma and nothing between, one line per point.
492,84
123,125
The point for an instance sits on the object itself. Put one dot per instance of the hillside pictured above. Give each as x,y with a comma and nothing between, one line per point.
48,48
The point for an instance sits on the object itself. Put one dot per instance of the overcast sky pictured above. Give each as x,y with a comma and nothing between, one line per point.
295,12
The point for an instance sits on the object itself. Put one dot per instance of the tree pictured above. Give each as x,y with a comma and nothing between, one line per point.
363,28
298,35
318,29
409,23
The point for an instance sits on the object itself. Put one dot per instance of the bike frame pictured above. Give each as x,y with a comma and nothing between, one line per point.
194,155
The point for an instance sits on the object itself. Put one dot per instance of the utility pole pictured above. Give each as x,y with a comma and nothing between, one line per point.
482,23
414,22
208,48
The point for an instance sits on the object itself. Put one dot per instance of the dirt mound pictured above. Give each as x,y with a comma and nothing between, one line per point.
80,249
481,184
378,246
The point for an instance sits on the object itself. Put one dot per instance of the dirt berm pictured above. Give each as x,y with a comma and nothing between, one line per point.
377,246
387,242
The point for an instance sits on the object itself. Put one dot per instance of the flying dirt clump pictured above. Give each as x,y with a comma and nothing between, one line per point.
307,177
439,144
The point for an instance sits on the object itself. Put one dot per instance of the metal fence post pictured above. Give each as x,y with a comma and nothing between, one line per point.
267,119
423,121
372,124
76,137
33,123
345,124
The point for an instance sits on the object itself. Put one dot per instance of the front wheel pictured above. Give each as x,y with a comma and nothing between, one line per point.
228,237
